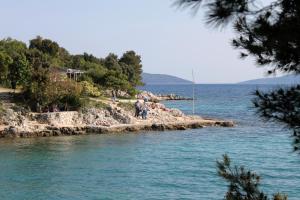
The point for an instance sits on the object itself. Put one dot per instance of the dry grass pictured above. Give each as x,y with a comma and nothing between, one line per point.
126,106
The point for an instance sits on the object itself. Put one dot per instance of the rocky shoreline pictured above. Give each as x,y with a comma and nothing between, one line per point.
113,119
13,132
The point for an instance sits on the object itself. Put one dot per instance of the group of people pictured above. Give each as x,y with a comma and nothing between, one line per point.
141,109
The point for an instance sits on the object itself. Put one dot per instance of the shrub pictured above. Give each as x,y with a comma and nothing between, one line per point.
89,89
57,90
132,92
70,102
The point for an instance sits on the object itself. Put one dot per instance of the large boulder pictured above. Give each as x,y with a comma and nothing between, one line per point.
122,116
98,117
148,95
176,113
12,118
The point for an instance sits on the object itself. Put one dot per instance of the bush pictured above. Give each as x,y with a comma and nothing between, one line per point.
71,102
132,92
58,90
89,89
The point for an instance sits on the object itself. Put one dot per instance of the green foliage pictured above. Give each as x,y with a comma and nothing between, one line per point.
11,46
66,94
13,62
85,62
57,55
132,67
90,90
71,101
5,61
281,105
243,184
269,33
111,62
116,81
36,88
32,68
19,71
132,91
97,75
46,46
47,87
92,59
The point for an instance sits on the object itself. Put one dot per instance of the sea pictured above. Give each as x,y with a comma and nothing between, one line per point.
156,165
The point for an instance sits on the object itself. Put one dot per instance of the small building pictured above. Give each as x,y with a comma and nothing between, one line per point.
74,74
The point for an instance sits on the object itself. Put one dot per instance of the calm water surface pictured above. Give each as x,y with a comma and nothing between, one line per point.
155,165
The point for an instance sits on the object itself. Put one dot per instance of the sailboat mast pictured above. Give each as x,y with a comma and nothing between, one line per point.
193,92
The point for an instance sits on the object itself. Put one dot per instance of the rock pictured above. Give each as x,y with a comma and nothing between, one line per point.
147,95
12,131
59,118
161,97
158,127
225,123
121,117
176,113
56,133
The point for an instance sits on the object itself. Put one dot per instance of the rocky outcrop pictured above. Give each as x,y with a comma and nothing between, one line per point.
161,97
87,117
173,97
111,120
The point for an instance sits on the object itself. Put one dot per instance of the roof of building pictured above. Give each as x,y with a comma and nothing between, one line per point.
75,71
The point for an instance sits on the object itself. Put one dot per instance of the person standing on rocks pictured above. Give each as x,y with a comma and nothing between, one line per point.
138,109
145,110
113,97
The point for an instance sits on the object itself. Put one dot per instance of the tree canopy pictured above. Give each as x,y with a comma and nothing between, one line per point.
131,66
32,69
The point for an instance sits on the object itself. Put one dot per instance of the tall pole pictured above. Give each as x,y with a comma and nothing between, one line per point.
193,92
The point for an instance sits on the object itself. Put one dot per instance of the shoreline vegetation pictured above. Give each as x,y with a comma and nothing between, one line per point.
46,91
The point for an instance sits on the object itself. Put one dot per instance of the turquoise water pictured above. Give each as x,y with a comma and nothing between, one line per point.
155,165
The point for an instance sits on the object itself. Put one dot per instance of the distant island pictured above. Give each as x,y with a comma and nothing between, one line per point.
283,80
163,79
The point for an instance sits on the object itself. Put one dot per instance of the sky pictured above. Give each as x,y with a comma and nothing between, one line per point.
169,40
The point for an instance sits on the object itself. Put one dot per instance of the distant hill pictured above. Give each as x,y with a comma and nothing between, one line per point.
288,80
163,79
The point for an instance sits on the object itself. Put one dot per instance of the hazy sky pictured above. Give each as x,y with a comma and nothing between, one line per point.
170,41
